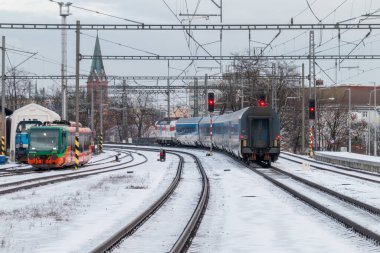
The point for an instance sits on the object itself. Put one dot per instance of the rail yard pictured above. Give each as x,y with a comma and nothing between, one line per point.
191,126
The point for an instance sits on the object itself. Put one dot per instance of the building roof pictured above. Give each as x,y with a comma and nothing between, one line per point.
360,95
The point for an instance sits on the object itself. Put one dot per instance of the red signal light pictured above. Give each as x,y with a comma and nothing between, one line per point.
261,103
312,109
211,102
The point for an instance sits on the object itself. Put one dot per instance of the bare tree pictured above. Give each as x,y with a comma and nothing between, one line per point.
142,115
16,89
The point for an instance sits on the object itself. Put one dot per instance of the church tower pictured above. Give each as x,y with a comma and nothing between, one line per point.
96,85
97,79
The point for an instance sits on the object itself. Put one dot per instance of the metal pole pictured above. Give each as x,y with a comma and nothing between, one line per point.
92,106
375,125
3,96
221,35
64,57
272,82
210,133
195,99
242,93
101,115
303,108
205,97
124,115
249,42
349,120
77,59
168,91
369,126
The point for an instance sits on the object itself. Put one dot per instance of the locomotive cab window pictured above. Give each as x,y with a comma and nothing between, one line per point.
44,139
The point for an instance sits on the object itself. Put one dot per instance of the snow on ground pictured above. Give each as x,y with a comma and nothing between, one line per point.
329,166
351,156
364,191
110,155
248,214
164,227
245,213
77,215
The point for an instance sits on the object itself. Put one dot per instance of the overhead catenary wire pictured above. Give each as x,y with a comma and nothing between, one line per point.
308,4
120,44
102,13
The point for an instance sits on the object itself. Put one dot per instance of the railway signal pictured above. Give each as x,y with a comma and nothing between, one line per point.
311,108
211,102
262,102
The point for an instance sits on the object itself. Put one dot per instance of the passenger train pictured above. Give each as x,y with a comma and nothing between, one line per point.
52,145
252,134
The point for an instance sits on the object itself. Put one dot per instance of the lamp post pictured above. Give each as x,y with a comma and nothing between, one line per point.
64,11
369,121
319,129
349,119
375,142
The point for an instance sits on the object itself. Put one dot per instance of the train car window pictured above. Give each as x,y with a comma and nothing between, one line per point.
72,141
63,140
44,139
81,140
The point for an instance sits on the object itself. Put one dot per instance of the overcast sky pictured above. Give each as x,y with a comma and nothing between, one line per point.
47,43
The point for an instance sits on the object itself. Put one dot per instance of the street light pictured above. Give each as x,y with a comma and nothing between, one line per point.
64,11
349,119
369,120
318,128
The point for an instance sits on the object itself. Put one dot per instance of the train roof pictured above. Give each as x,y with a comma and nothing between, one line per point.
194,120
206,120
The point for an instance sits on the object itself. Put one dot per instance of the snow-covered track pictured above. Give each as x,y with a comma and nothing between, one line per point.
359,174
41,181
188,233
355,206
23,169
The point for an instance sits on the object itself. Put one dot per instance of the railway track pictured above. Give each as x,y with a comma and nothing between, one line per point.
360,217
40,181
184,240
27,169
359,174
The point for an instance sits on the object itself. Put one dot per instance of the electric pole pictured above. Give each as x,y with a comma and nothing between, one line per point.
64,11
3,97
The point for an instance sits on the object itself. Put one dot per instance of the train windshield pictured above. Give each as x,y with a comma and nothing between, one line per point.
44,139
23,126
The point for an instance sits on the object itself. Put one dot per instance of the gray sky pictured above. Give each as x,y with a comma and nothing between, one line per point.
47,43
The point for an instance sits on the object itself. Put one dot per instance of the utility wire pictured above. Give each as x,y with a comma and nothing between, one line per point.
319,21
324,72
340,5
304,9
120,44
357,45
102,13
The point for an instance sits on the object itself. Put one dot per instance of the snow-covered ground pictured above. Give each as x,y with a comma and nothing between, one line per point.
352,156
245,213
248,214
96,160
75,216
164,227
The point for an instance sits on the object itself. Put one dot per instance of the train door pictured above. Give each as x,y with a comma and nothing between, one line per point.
259,136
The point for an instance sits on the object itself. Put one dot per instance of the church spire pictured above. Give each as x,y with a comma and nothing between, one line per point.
97,66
